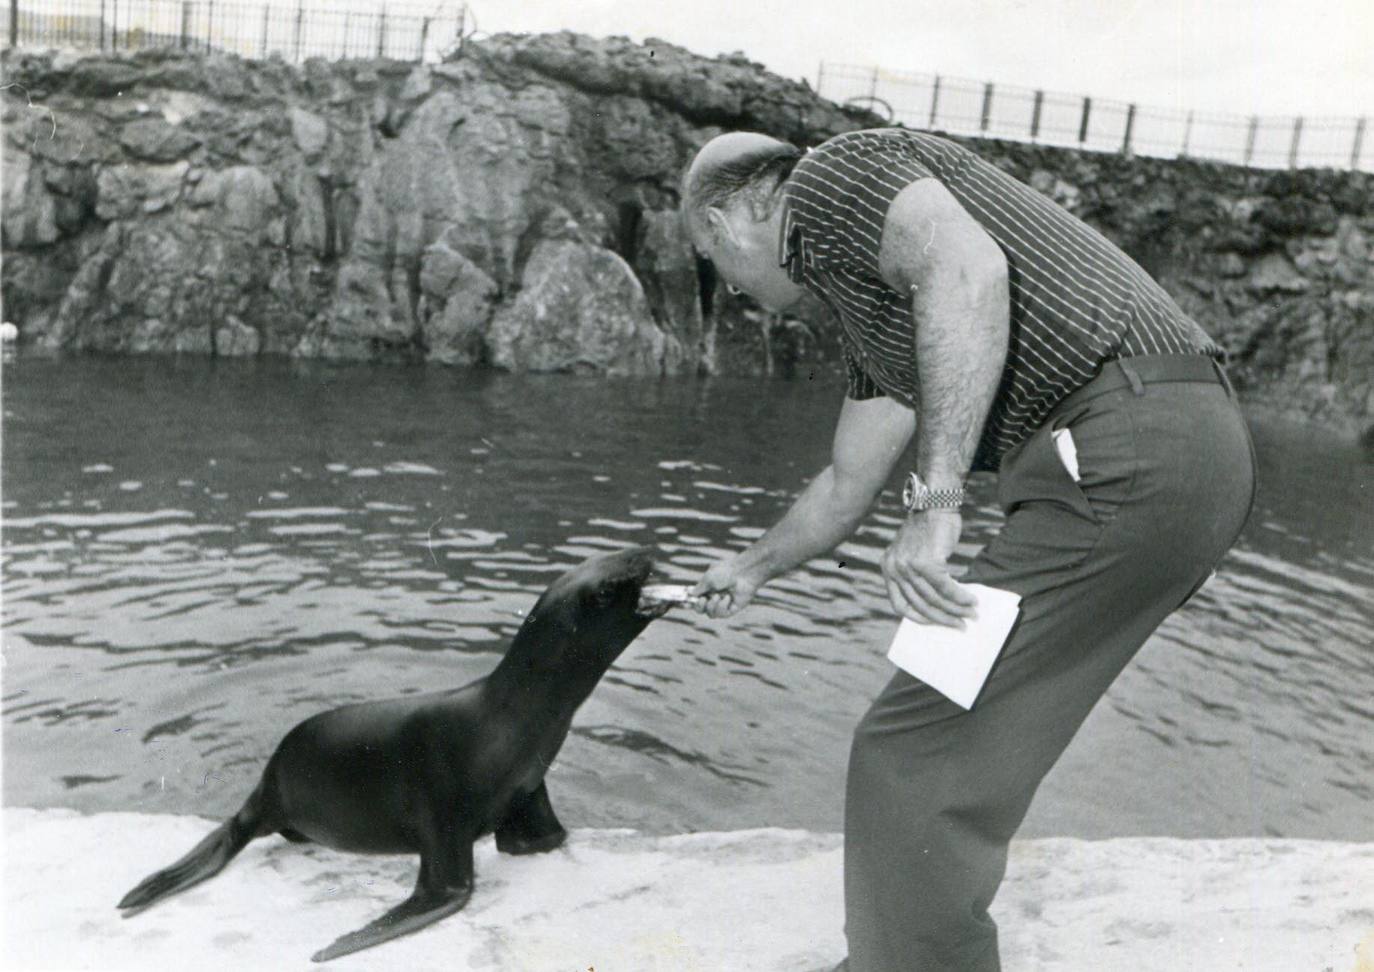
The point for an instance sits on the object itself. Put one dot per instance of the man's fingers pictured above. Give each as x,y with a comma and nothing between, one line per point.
961,602
939,589
912,598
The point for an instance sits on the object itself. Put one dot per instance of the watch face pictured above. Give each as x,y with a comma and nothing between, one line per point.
909,491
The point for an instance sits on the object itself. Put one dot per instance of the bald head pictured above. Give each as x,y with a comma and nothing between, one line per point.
737,166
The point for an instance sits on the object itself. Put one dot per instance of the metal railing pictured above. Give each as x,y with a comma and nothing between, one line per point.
407,30
963,107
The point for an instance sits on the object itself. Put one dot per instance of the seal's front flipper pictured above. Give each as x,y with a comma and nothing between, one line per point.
530,826
444,887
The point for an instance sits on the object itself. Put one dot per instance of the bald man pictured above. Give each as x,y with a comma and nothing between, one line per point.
1001,333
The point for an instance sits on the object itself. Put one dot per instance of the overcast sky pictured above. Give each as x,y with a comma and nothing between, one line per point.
1314,57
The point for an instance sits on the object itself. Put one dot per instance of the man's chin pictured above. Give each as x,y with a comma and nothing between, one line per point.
783,305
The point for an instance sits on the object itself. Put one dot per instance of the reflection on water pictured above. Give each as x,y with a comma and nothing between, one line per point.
198,554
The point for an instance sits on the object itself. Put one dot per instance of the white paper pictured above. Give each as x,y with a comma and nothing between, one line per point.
956,661
1068,451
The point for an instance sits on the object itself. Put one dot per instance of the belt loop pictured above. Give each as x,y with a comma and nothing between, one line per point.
1220,369
1137,385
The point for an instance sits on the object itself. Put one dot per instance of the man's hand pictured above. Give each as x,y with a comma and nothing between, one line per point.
914,566
725,589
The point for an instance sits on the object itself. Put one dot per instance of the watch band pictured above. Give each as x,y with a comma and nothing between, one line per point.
917,497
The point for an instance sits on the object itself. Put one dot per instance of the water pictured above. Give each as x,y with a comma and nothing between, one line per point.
198,554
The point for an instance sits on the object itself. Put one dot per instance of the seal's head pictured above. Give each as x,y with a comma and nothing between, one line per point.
732,206
590,614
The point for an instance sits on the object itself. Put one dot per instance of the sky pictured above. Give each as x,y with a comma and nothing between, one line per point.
1267,57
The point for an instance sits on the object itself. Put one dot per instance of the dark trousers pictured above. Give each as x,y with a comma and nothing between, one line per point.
935,793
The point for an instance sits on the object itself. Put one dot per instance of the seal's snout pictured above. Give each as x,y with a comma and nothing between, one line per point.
635,564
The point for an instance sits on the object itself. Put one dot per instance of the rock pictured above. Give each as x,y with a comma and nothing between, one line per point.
100,77
154,140
310,132
664,262
418,84
375,210
235,339
123,190
1275,273
30,211
244,195
1230,265
304,197
456,305
580,308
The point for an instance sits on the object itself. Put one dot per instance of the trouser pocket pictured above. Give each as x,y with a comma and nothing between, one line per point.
1054,521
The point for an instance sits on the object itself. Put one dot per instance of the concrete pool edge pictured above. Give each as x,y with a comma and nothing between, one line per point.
615,899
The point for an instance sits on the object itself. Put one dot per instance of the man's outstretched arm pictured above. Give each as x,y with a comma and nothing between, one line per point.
869,437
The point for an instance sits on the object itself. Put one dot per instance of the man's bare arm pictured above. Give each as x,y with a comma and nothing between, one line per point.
956,275
957,278
869,437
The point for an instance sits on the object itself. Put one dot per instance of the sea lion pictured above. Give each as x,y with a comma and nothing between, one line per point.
430,774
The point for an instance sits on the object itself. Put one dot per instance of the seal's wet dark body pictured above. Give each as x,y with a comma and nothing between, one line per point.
430,774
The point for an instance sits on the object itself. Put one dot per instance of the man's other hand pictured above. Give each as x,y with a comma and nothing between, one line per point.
916,571
724,589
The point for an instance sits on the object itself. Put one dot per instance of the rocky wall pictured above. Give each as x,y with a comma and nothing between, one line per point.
514,206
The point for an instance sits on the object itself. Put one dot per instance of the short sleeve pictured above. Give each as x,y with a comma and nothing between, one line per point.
858,385
841,191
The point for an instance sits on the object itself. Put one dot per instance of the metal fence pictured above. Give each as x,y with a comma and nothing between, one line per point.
250,28
963,107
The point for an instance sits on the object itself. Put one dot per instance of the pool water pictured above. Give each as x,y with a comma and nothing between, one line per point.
197,554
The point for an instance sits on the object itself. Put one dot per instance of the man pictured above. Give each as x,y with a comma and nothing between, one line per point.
1003,334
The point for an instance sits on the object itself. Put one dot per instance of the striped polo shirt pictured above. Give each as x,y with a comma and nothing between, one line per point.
1076,299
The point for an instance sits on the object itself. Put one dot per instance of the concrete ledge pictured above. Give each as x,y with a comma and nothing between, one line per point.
618,900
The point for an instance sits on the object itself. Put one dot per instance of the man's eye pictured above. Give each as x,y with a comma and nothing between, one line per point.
731,288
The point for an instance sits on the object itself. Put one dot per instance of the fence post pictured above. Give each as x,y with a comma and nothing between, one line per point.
266,8
102,25
1358,145
185,23
1293,145
1083,122
934,101
1130,128
348,22
300,13
114,26
424,36
1187,135
873,86
14,23
1035,115
820,76
381,33
1250,139
987,107
210,26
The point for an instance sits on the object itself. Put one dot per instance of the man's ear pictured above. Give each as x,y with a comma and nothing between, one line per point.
720,225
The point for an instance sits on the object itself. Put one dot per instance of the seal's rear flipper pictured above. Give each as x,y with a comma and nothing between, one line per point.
420,909
204,861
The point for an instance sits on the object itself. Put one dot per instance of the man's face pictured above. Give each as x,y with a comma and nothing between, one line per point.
744,253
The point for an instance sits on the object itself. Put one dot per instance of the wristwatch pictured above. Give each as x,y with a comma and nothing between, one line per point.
917,497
